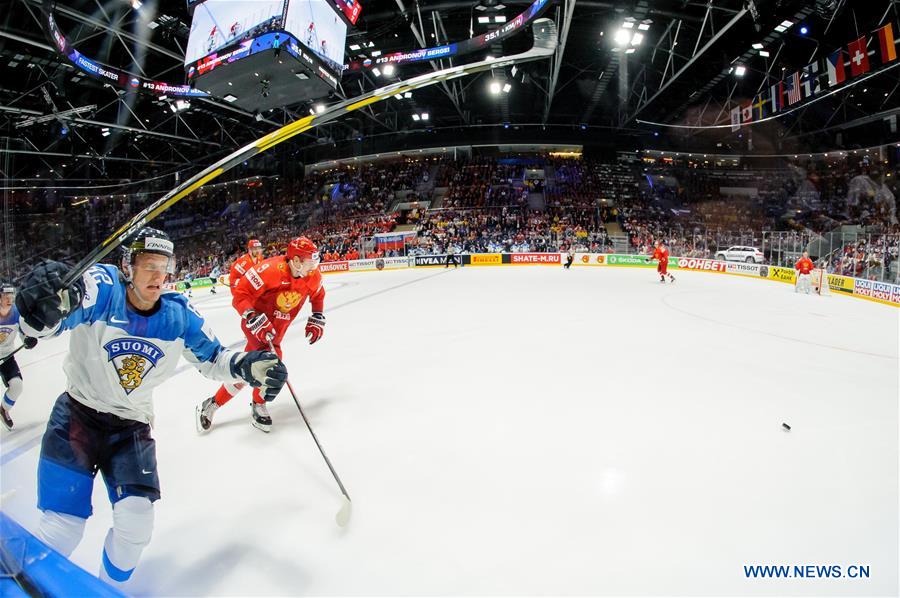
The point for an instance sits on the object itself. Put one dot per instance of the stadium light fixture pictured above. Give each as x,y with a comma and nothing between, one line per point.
506,88
320,108
495,88
230,98
636,39
784,26
629,51
628,24
354,47
407,94
376,72
425,116
482,20
416,117
376,53
758,46
499,18
764,53
398,96
622,37
644,26
136,4
740,70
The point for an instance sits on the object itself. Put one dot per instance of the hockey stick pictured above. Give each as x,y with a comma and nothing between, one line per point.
545,43
343,515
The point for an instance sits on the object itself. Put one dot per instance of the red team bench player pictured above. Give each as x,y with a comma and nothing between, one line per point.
268,298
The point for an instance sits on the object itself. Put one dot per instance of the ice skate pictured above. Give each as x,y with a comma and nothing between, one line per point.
7,420
205,412
260,417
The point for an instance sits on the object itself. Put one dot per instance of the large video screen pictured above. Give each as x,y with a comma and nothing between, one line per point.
219,23
316,24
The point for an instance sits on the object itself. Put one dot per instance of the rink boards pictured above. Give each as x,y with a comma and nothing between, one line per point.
881,292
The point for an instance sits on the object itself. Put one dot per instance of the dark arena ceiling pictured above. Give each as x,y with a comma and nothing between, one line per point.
601,90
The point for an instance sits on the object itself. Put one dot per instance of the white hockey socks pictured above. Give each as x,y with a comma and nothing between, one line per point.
60,531
129,535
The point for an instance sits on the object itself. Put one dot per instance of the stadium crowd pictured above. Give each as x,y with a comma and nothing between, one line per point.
509,204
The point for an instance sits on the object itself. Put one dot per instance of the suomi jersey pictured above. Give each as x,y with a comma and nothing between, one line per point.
117,356
9,328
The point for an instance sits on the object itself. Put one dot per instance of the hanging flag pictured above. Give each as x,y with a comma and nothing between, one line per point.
747,113
760,102
835,66
792,85
810,79
776,96
886,41
736,118
859,58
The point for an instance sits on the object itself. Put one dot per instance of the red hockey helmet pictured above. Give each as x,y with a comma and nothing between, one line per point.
253,243
302,248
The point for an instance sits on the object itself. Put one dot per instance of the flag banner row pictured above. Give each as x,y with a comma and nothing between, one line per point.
819,76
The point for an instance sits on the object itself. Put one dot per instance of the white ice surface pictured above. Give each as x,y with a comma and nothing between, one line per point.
525,430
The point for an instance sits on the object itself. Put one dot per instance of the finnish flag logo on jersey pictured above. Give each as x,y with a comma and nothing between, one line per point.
133,359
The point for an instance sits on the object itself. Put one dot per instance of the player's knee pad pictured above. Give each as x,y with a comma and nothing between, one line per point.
14,389
61,531
133,520
129,535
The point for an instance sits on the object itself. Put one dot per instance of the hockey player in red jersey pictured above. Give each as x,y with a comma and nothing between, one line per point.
245,262
268,298
661,253
804,267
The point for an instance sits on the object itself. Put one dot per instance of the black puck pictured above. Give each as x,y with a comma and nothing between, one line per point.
785,426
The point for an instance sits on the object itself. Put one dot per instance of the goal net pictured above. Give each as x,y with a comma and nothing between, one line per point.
819,280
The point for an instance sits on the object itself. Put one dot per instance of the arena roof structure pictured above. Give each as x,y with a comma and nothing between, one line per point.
627,75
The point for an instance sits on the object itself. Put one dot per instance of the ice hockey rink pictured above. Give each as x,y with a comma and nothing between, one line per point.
522,431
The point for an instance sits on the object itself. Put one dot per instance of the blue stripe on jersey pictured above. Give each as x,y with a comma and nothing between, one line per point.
12,318
106,301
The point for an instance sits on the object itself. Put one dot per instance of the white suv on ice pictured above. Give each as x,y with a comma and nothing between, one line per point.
739,253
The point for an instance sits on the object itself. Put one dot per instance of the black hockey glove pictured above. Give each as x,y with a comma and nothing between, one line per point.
43,300
261,369
29,342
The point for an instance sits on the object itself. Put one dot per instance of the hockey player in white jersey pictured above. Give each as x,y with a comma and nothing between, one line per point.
126,336
9,369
